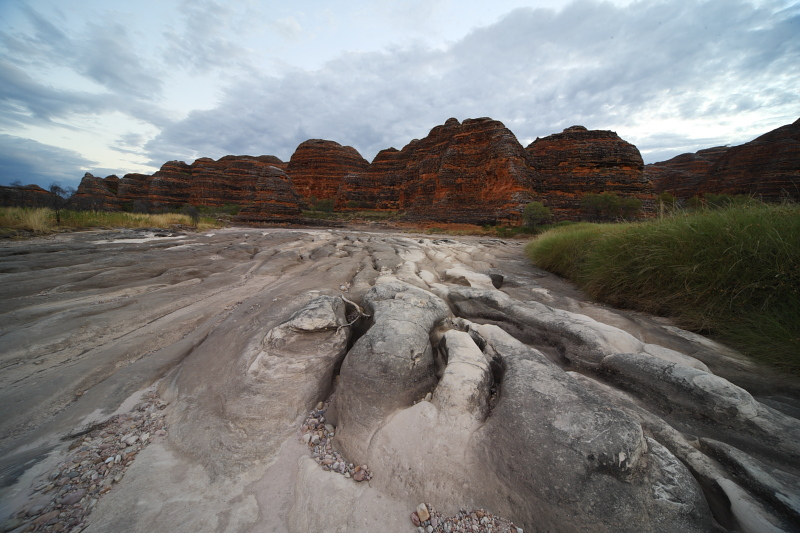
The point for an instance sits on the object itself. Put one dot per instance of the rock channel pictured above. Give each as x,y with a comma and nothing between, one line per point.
334,380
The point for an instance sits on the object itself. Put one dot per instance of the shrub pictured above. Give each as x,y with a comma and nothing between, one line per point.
535,213
608,206
325,205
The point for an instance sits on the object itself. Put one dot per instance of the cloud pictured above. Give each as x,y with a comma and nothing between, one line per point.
201,43
537,70
32,162
288,27
102,52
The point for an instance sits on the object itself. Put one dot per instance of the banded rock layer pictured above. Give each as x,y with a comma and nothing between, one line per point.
578,161
767,167
259,183
475,172
472,172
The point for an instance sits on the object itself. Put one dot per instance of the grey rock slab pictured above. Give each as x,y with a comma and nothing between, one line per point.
780,488
583,340
390,366
736,413
580,451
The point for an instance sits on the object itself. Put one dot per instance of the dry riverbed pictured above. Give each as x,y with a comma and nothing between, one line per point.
333,380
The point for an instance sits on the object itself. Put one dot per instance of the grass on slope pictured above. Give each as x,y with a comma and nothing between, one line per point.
43,220
732,273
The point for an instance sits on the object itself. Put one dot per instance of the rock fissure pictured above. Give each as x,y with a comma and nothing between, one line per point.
481,420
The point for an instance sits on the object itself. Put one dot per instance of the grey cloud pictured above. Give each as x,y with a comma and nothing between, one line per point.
538,71
25,101
33,162
107,56
201,44
103,52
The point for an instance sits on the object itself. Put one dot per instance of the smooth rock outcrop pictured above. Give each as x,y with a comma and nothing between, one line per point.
335,380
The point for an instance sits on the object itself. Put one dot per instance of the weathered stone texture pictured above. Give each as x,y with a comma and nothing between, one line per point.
25,196
96,193
578,161
318,167
475,172
682,175
259,183
767,167
274,197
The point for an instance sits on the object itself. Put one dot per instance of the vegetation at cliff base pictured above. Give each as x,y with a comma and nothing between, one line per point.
732,273
44,220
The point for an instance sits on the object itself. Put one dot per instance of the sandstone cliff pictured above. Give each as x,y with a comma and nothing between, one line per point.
767,167
318,167
682,175
96,193
475,172
577,161
25,196
259,183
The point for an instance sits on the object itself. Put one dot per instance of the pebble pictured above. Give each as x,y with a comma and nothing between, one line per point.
69,493
318,436
73,497
422,512
478,520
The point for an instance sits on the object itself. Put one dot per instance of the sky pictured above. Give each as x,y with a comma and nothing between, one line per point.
112,87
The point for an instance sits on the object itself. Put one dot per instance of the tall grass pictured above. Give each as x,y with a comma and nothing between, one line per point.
36,220
733,273
43,220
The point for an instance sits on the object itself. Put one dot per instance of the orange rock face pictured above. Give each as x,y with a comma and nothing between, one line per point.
318,167
681,176
25,196
475,172
577,161
274,197
236,180
767,167
96,193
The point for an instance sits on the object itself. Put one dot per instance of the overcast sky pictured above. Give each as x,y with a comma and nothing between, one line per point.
110,86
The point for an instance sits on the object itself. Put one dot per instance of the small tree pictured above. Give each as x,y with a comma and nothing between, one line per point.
535,213
193,213
59,198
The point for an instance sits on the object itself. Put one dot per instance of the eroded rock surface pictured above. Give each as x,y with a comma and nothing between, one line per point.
462,375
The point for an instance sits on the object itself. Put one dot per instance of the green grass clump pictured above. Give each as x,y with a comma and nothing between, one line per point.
733,273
